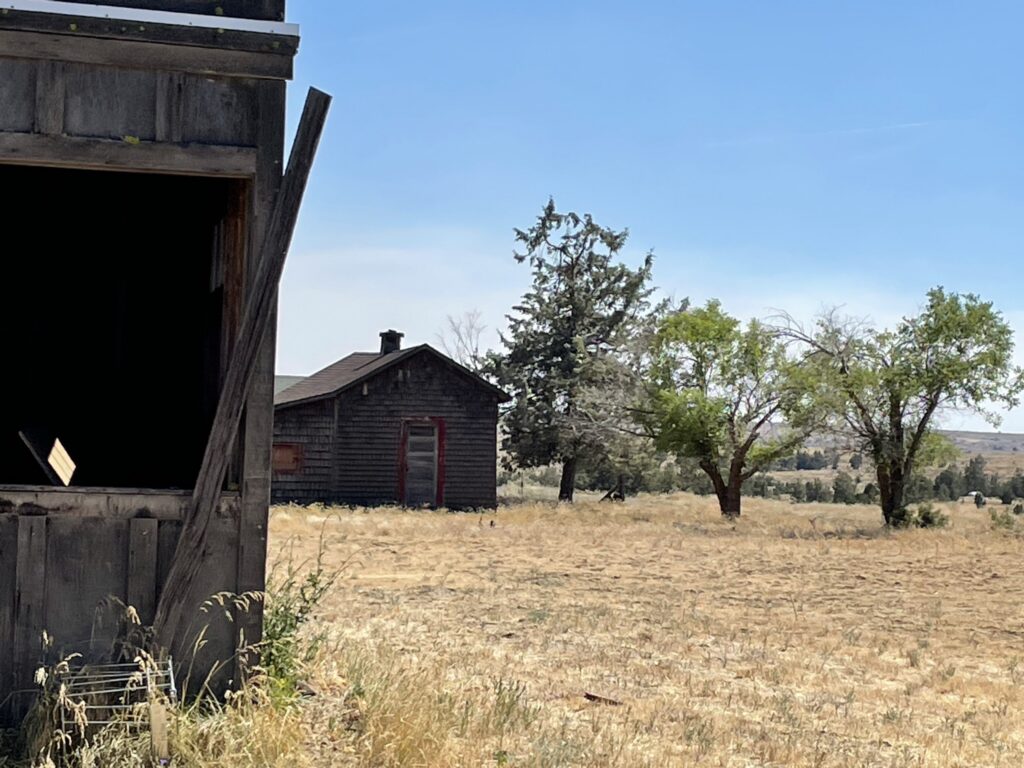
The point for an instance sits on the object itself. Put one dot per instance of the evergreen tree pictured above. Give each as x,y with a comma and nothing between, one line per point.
580,309
974,475
949,484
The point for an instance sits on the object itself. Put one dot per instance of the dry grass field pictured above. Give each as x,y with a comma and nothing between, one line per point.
800,636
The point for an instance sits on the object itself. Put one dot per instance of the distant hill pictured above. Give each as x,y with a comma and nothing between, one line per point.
968,443
985,442
1003,453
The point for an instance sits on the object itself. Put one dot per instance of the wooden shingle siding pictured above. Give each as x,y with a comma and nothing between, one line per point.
365,462
369,434
310,426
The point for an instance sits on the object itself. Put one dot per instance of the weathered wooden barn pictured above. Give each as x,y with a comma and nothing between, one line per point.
140,151
407,426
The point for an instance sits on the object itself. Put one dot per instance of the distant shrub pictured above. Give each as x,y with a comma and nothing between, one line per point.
929,516
918,489
844,489
1018,508
1002,520
815,490
869,495
979,500
923,515
855,461
816,460
795,490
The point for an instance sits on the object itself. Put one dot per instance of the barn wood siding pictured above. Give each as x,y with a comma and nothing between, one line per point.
69,571
311,426
103,102
8,573
369,433
149,98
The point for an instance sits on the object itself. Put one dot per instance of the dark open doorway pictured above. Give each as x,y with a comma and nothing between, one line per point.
120,291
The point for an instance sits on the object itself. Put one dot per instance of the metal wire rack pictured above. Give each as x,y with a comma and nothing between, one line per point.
110,693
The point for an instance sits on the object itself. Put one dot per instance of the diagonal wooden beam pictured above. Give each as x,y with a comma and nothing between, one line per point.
190,555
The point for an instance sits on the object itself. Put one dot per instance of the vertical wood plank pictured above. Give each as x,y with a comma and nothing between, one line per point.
110,102
8,576
18,95
169,87
30,599
51,87
143,538
85,566
233,277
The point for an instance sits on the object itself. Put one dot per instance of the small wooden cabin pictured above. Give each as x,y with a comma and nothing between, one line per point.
140,149
398,426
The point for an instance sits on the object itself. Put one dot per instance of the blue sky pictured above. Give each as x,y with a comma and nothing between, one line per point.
772,154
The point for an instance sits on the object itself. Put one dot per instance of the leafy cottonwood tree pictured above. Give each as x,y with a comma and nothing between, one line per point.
580,308
889,386
716,389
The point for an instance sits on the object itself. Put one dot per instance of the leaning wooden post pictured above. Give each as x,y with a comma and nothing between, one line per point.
189,556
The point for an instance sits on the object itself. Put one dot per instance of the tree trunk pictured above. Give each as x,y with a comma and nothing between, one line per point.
728,493
568,484
730,501
891,489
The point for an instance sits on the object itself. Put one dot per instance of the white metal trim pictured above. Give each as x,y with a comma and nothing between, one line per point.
152,17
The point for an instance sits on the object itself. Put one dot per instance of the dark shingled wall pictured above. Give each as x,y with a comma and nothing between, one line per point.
368,437
308,425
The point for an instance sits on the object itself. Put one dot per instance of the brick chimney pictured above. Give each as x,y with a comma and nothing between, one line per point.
390,341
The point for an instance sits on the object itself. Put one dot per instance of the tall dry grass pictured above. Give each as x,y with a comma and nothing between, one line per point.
801,635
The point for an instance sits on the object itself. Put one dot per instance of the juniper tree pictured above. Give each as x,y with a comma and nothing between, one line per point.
580,309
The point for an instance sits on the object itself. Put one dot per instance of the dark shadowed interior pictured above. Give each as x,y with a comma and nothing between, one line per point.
113,302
